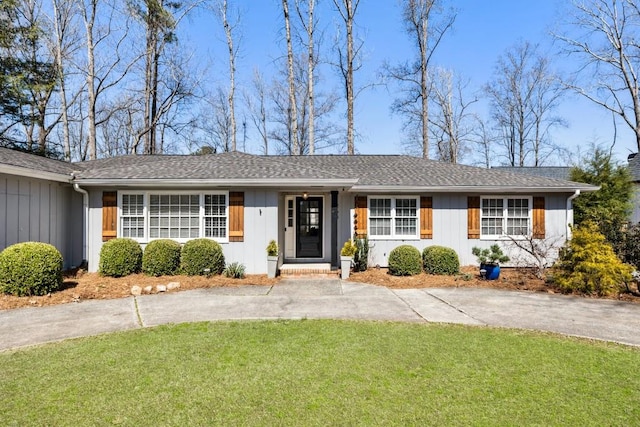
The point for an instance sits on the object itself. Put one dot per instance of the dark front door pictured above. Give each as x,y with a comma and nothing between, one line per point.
309,227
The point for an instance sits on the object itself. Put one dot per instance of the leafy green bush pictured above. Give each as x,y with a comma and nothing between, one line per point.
120,257
201,257
588,264
491,255
440,260
405,260
234,270
30,268
361,257
161,258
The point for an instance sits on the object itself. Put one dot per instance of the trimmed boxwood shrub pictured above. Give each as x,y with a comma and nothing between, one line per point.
440,260
30,268
161,258
200,255
405,260
120,257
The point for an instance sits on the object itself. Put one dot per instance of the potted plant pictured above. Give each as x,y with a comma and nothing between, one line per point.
490,259
272,259
346,258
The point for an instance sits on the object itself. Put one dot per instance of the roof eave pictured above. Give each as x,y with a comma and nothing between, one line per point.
468,189
32,173
260,183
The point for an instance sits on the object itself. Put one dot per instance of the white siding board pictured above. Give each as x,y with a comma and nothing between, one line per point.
3,212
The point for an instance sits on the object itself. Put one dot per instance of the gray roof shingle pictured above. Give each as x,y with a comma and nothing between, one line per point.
394,171
555,172
33,162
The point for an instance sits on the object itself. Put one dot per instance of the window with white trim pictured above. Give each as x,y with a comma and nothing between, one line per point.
505,216
393,217
132,216
215,215
178,216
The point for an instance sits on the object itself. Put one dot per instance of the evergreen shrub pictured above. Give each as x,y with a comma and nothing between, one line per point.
201,257
440,260
588,264
161,258
405,260
120,257
30,268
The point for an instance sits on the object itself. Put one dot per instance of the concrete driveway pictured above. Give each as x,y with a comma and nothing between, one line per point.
326,299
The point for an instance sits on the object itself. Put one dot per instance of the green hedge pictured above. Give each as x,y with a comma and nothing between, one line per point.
440,260
201,257
120,257
405,260
161,258
30,268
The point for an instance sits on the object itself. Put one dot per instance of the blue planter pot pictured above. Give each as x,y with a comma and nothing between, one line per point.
492,271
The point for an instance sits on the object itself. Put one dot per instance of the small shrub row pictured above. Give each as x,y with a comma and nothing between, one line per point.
406,260
121,257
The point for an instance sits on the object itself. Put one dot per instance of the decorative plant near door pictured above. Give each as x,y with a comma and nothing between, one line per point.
272,248
361,257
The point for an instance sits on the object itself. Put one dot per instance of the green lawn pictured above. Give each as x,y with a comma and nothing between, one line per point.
321,373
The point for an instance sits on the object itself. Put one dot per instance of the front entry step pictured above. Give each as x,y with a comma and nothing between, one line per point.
307,269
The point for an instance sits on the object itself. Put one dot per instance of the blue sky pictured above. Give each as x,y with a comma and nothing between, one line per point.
482,32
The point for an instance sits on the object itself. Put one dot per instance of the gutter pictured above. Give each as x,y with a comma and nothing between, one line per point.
497,189
32,173
569,212
262,183
85,218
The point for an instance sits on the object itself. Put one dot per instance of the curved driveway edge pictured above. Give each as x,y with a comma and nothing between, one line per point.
327,299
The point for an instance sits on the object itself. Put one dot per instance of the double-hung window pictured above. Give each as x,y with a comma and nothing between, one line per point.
393,217
178,216
505,216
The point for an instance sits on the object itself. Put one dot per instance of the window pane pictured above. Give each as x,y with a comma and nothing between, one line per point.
215,212
132,216
380,226
380,207
173,215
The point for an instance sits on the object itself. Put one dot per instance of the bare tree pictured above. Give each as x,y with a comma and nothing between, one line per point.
309,26
325,131
419,17
347,56
483,140
607,45
229,31
451,121
292,110
524,95
64,43
256,104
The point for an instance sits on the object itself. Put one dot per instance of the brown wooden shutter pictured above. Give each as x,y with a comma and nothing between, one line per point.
426,217
473,217
538,218
109,215
360,220
236,216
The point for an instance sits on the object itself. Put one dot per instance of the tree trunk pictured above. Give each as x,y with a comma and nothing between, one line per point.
232,72
293,106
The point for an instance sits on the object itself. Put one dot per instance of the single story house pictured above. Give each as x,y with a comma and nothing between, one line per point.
309,204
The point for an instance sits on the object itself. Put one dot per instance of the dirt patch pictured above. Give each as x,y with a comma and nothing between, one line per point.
80,286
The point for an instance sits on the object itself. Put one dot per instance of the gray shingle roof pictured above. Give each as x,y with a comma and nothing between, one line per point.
366,171
361,172
33,162
555,172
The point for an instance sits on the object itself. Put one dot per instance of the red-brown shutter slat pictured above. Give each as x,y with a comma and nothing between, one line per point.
426,217
109,215
473,217
538,218
360,220
236,216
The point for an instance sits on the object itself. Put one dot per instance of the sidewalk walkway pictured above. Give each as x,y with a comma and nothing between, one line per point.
327,299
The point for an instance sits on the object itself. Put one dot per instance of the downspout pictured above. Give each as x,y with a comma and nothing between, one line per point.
85,209
570,212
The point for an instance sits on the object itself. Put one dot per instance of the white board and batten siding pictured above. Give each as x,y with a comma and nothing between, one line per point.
41,211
